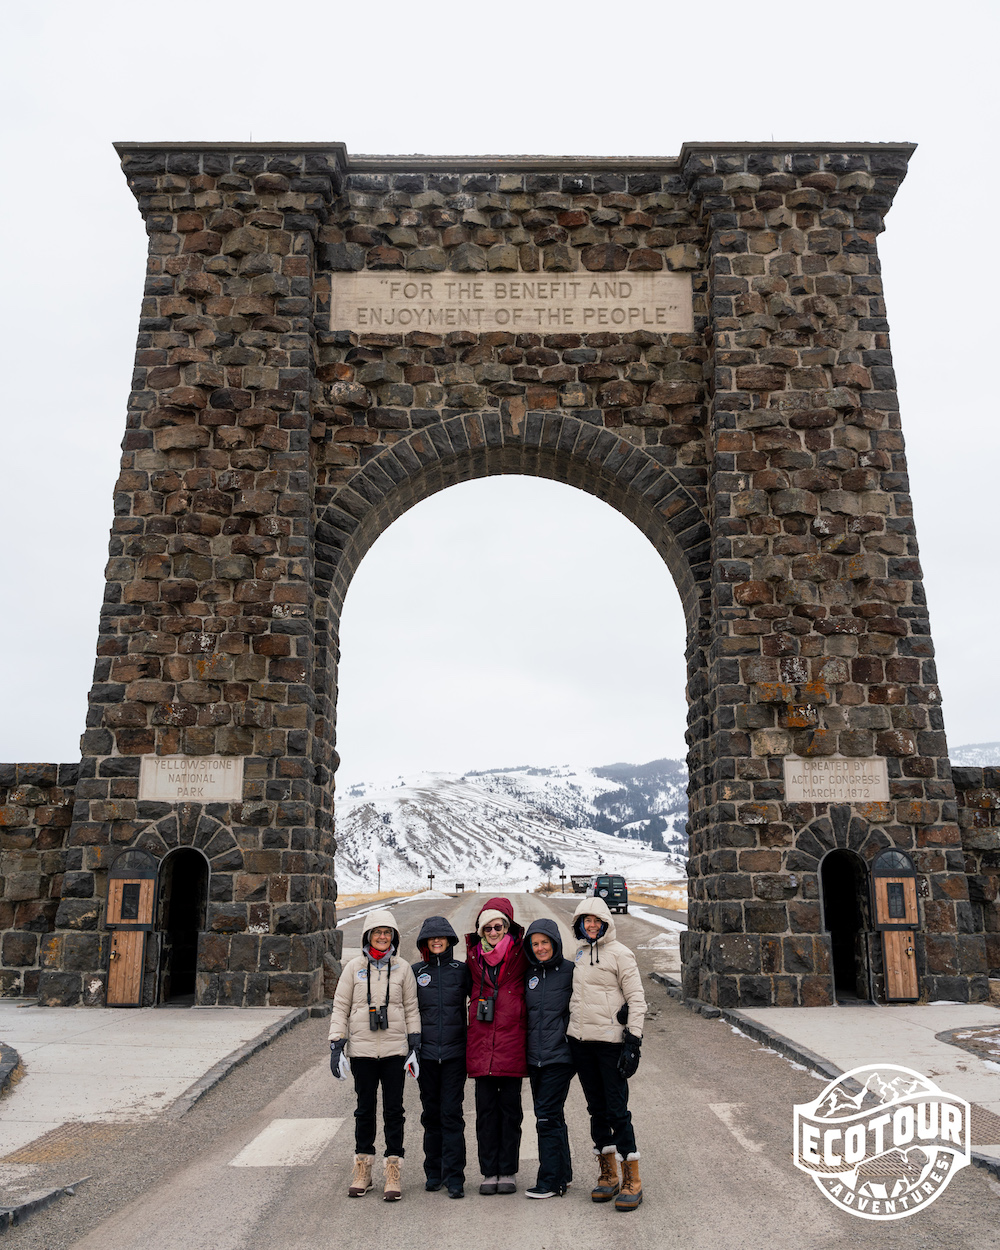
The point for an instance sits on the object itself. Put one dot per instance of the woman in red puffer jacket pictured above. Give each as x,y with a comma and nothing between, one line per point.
497,1041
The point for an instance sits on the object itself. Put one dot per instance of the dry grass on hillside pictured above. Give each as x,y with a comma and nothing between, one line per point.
386,896
669,894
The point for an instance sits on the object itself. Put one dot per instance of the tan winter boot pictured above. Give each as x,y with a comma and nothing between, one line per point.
631,1194
361,1177
607,1183
393,1190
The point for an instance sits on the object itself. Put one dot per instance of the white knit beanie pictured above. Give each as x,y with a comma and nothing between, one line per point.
489,914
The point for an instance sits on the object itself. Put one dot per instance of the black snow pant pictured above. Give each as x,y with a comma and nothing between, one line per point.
549,1087
606,1092
368,1075
442,1091
498,1124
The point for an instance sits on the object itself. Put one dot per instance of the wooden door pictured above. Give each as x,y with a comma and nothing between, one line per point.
896,901
128,950
901,984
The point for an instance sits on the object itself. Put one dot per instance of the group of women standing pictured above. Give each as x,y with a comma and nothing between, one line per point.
517,1006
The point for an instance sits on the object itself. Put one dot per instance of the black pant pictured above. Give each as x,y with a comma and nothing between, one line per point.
606,1092
549,1087
442,1090
368,1075
498,1124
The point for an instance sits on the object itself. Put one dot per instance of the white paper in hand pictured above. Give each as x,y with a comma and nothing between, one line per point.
412,1066
343,1068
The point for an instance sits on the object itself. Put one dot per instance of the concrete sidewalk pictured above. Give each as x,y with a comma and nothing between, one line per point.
967,1063
81,1064
956,1045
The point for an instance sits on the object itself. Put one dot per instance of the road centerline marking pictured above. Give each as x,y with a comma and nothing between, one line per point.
288,1144
727,1113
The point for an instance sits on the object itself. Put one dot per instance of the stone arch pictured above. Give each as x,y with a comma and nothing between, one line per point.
268,444
189,825
666,503
840,829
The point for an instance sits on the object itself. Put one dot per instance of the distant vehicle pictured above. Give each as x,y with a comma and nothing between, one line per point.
613,889
581,882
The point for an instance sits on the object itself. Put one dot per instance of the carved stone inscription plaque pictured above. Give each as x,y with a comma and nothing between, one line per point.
439,302
832,779
191,779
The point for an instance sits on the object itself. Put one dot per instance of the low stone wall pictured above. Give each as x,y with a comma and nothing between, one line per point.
36,808
978,793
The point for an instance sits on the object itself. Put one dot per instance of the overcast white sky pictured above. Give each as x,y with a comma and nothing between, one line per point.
510,620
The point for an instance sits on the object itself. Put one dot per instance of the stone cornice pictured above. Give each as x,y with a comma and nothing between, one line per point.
419,163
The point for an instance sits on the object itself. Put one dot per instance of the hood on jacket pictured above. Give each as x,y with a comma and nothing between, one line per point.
382,918
506,908
594,907
551,930
436,926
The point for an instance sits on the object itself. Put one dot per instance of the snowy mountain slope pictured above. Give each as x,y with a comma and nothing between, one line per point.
517,826
976,755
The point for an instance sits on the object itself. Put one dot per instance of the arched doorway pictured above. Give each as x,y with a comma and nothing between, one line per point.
182,913
844,881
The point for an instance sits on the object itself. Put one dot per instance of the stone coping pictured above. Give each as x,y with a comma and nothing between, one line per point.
9,1062
421,162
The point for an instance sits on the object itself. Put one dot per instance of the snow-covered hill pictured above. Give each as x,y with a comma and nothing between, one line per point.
514,826
976,755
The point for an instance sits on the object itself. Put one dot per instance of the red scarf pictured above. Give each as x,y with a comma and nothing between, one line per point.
377,955
494,956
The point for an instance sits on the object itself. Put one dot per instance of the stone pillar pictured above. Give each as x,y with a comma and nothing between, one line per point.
821,642
206,640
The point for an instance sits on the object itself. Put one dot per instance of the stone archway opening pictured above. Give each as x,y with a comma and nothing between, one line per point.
846,916
515,606
181,920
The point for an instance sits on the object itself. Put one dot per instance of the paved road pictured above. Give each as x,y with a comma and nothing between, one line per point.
713,1115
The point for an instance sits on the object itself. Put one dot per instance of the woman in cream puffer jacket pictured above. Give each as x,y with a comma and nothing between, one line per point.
606,1013
375,1025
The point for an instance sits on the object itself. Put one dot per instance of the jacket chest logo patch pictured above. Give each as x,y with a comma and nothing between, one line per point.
361,974
424,978
533,983
579,956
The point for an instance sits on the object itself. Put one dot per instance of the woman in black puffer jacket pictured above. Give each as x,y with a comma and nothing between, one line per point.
442,993
550,1064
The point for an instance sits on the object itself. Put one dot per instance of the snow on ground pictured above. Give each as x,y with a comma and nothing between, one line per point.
482,831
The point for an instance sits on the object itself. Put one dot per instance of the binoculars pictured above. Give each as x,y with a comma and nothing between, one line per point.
484,1010
378,1018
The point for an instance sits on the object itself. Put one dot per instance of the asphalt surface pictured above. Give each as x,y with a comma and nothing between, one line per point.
713,1116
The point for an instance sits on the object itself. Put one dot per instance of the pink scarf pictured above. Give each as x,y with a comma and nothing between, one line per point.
494,956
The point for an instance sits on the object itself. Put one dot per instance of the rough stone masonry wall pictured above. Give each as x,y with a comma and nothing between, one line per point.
978,794
36,871
762,455
206,638
821,637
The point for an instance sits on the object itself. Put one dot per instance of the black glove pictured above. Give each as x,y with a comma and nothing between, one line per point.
336,1050
628,1060
413,1043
